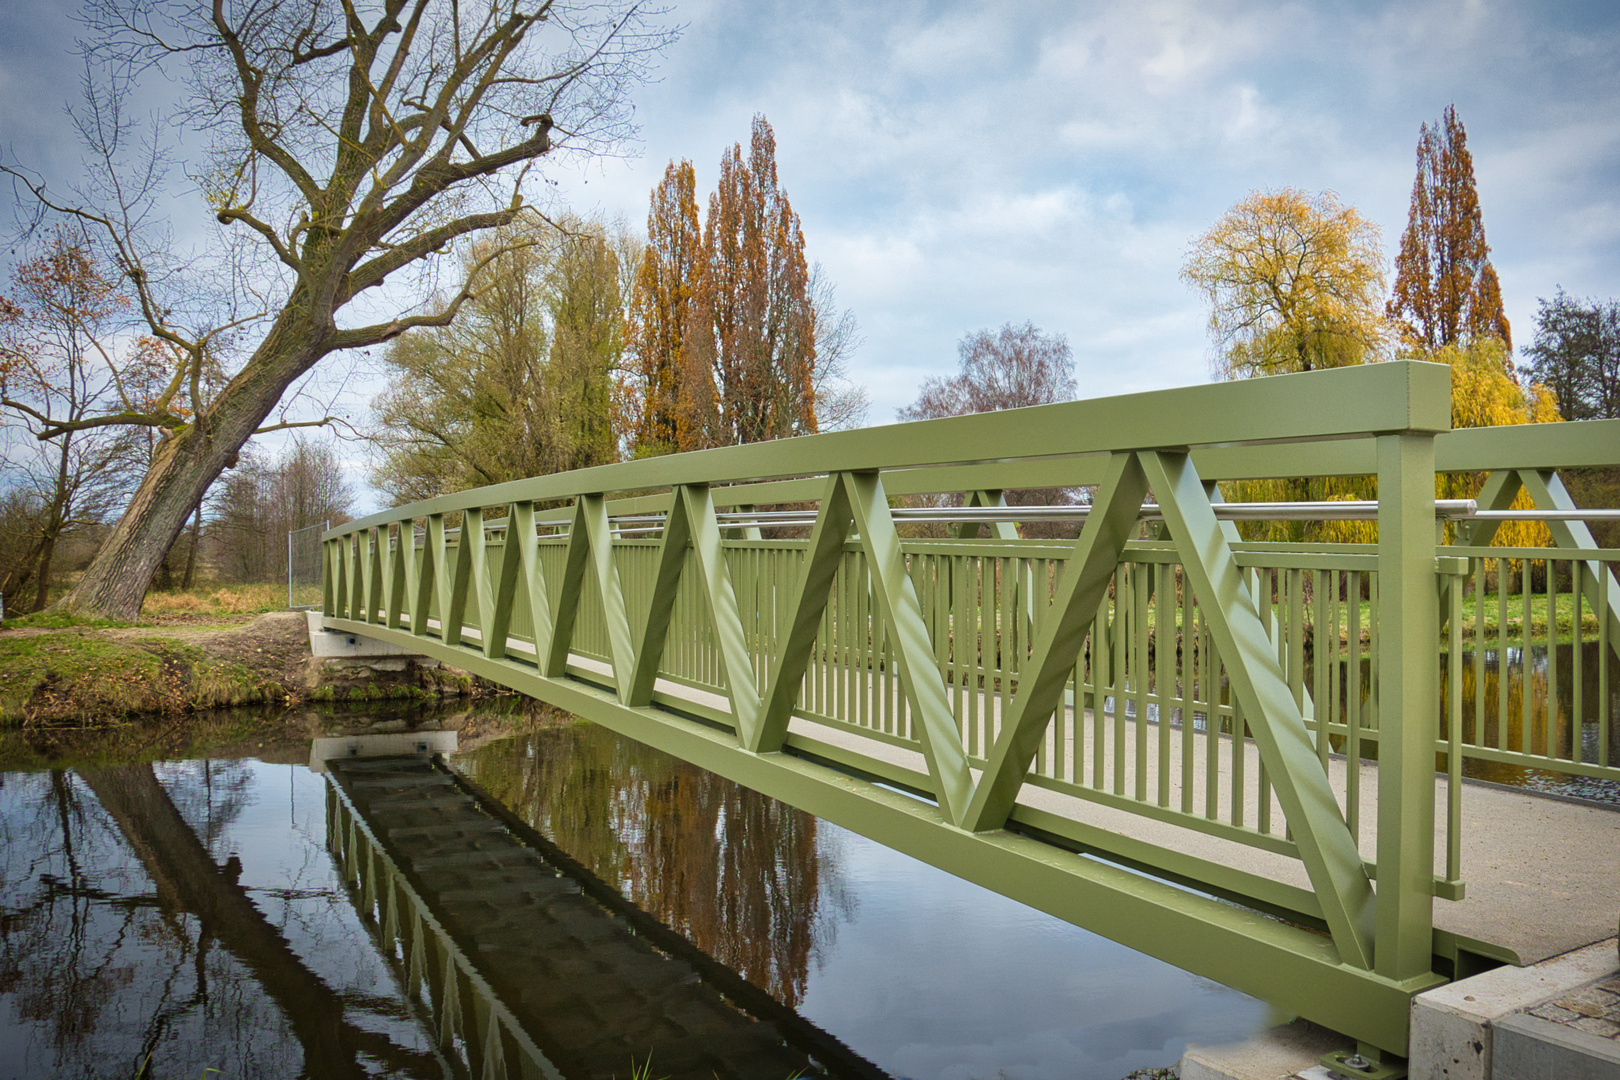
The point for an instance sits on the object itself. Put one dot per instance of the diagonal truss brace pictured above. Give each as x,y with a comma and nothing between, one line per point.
920,677
590,547
816,574
1040,689
1326,846
1547,491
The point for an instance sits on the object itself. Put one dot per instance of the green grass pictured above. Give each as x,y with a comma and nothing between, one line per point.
1563,611
76,676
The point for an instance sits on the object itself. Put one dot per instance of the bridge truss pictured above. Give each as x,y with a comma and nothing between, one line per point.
998,706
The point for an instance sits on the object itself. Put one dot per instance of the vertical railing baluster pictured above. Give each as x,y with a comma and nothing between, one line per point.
1454,671
1210,670
1527,592
1352,701
1554,730
1186,688
1577,712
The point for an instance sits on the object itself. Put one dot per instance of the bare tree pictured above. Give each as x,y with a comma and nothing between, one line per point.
260,501
56,360
1015,367
350,144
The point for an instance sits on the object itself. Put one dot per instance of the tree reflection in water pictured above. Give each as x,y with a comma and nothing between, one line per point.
742,876
131,946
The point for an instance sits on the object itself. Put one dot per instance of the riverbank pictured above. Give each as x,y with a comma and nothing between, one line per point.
95,674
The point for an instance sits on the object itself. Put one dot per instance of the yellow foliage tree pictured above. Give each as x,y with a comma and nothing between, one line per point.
1294,283
1483,394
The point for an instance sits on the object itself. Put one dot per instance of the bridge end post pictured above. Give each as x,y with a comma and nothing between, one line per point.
1408,696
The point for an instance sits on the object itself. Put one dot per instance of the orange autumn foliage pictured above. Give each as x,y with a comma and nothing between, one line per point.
724,325
1446,290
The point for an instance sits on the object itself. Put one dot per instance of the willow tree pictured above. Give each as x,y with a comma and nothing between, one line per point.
349,145
521,383
1294,283
1446,290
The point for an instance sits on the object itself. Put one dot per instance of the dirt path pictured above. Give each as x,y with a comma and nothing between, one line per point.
273,646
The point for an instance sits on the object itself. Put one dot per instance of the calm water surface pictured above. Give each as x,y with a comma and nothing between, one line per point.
189,915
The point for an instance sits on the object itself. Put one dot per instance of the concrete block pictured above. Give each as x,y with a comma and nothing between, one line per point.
1453,1025
1530,1048
1279,1053
341,645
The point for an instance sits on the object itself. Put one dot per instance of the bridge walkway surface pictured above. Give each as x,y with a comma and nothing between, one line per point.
530,965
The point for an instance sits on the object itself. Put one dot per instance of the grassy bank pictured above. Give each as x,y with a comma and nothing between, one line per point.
210,648
59,670
82,675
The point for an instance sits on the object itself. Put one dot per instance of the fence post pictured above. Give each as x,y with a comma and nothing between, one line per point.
1408,703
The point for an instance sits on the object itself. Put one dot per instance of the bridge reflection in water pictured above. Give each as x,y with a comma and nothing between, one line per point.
529,966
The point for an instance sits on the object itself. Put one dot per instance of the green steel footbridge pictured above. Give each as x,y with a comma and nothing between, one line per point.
1244,758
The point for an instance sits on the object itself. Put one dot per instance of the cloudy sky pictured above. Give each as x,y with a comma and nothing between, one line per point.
961,165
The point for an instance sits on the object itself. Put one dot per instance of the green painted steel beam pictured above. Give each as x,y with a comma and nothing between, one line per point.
1408,704
1573,444
569,594
432,566
1286,964
1080,593
454,585
496,624
402,560
532,576
920,677
1235,624
1397,396
816,574
1598,584
999,530
621,649
672,549
736,662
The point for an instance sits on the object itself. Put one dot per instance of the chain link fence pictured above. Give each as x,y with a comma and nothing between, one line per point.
304,566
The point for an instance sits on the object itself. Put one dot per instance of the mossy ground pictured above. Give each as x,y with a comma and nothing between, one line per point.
80,675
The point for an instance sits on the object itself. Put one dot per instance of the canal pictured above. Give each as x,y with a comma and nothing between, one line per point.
126,949
187,918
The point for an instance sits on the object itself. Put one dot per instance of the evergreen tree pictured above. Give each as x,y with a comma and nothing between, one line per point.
1446,290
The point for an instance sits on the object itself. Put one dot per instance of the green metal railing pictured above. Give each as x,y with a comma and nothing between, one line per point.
1286,698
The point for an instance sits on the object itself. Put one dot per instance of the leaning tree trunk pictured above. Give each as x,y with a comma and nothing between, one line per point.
191,552
54,524
186,463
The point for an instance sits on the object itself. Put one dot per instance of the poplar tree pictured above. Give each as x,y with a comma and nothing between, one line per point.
736,337
1446,290
671,269
749,355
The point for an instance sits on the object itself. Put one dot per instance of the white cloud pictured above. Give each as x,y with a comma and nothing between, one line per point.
959,165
